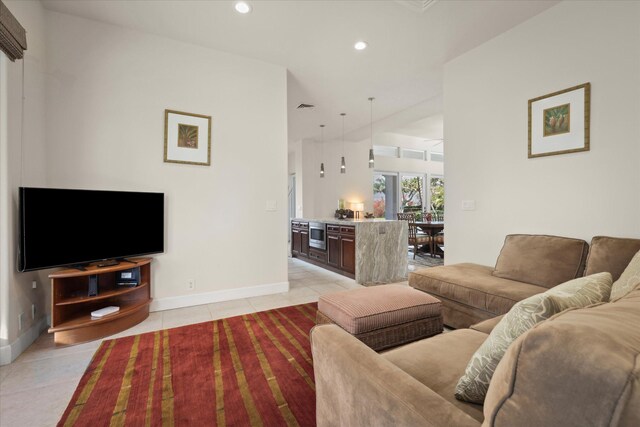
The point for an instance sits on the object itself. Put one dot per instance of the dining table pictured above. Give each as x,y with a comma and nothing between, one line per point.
431,228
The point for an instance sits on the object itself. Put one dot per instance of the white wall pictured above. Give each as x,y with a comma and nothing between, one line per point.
401,164
16,293
106,97
485,97
295,167
321,195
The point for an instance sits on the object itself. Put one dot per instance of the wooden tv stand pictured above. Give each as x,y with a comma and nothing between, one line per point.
71,307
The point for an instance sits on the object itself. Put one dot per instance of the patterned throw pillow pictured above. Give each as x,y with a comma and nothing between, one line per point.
629,279
581,292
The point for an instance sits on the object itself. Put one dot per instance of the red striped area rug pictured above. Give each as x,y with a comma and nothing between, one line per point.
253,370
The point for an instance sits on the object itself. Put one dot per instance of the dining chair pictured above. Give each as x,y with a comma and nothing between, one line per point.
416,240
439,241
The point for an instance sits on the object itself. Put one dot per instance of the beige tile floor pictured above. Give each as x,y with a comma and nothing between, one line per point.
36,388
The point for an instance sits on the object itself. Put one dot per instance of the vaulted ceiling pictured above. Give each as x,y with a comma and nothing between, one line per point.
409,42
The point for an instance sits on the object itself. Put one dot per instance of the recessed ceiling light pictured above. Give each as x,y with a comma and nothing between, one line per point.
360,45
243,7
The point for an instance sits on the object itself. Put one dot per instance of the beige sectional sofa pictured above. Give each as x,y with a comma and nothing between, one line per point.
527,265
579,368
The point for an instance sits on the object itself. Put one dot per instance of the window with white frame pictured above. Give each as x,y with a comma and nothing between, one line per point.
413,154
437,157
385,151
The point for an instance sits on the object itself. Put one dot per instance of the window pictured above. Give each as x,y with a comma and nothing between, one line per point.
436,190
413,154
437,157
385,151
385,195
412,193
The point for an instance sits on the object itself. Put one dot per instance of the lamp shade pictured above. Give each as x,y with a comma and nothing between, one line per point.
357,206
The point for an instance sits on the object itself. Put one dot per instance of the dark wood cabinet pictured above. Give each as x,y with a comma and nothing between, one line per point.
340,255
304,242
318,255
299,238
348,253
333,249
295,241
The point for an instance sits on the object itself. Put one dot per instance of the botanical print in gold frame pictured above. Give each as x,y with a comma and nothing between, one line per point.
559,122
187,138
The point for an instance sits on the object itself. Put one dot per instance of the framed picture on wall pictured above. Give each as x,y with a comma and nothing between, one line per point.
559,122
187,138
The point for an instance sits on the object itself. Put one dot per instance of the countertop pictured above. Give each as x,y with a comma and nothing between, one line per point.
348,221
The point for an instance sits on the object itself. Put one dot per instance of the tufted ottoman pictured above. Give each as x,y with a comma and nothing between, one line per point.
382,316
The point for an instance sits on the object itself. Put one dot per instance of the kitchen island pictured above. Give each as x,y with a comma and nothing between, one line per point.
370,251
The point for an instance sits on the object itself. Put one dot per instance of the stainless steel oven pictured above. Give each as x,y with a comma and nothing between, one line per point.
318,235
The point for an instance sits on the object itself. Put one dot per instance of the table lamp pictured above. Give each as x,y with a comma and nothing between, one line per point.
357,207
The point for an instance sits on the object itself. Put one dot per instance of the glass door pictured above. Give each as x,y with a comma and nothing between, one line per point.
385,195
412,194
436,190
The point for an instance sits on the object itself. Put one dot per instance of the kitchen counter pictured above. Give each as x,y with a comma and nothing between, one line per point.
348,221
380,248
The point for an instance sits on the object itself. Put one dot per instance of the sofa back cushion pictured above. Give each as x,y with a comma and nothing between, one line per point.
541,260
580,292
629,279
581,367
611,254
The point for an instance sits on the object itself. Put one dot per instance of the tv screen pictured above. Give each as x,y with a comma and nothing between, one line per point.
63,227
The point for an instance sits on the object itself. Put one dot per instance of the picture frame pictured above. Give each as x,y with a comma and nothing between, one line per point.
559,122
187,138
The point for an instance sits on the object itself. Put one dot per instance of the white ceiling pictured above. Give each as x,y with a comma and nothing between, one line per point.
430,128
314,40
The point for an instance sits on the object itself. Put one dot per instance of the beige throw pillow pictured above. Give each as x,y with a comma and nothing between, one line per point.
581,292
628,280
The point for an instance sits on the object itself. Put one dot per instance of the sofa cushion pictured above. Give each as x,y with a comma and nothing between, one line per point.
580,292
366,309
541,260
579,368
472,285
611,254
486,326
629,279
438,362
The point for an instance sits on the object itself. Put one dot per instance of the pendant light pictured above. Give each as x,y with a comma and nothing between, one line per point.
321,151
371,158
343,166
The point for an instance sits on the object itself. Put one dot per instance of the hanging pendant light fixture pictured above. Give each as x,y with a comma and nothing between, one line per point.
343,166
321,151
371,158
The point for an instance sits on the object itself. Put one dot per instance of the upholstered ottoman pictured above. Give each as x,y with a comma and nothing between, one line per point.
382,316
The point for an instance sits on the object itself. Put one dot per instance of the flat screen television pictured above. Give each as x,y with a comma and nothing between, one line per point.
61,227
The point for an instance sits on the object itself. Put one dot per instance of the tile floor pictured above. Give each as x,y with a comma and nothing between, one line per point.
36,388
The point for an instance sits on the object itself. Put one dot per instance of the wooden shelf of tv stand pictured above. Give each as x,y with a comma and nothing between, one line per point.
71,307
86,319
102,295
94,269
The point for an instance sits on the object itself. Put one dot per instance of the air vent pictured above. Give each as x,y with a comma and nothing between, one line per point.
417,5
304,106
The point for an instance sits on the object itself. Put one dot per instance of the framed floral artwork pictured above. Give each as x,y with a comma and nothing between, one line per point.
559,122
187,138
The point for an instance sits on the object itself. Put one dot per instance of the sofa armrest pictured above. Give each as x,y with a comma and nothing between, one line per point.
486,326
355,386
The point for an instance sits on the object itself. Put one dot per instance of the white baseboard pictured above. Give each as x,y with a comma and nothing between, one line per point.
9,353
170,303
